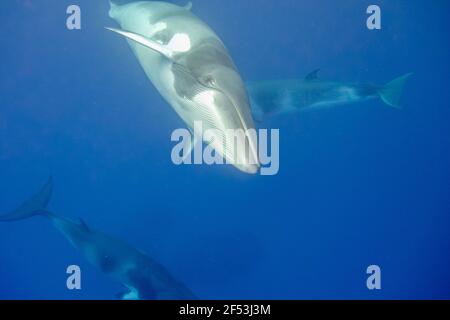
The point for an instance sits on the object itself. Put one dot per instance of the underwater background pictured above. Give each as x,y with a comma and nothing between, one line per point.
358,185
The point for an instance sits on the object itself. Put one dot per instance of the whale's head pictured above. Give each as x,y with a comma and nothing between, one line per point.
209,80
195,73
103,251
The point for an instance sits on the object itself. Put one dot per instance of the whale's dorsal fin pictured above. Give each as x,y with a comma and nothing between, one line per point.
188,6
84,225
313,75
165,51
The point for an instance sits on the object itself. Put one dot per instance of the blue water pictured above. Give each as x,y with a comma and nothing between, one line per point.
358,185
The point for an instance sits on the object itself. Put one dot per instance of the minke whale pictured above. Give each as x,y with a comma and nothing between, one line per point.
191,68
144,278
287,96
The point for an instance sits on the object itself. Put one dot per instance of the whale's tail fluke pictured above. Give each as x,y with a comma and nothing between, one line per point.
392,92
36,205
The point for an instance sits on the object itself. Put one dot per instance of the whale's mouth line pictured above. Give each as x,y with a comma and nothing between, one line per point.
245,127
243,124
252,163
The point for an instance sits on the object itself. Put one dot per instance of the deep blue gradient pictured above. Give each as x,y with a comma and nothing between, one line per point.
358,185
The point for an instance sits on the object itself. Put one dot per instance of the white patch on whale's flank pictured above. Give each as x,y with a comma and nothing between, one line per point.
132,295
286,102
348,93
180,43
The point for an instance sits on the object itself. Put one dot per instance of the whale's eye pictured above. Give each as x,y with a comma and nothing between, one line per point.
208,81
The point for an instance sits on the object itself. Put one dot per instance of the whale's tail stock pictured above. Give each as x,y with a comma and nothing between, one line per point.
36,205
392,92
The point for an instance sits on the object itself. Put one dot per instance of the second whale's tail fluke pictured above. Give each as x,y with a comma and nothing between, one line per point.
36,205
392,92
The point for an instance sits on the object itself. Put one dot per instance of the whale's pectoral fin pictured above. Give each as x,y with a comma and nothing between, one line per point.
165,51
313,75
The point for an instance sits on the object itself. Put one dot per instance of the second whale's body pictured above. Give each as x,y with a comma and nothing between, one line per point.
143,277
287,96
